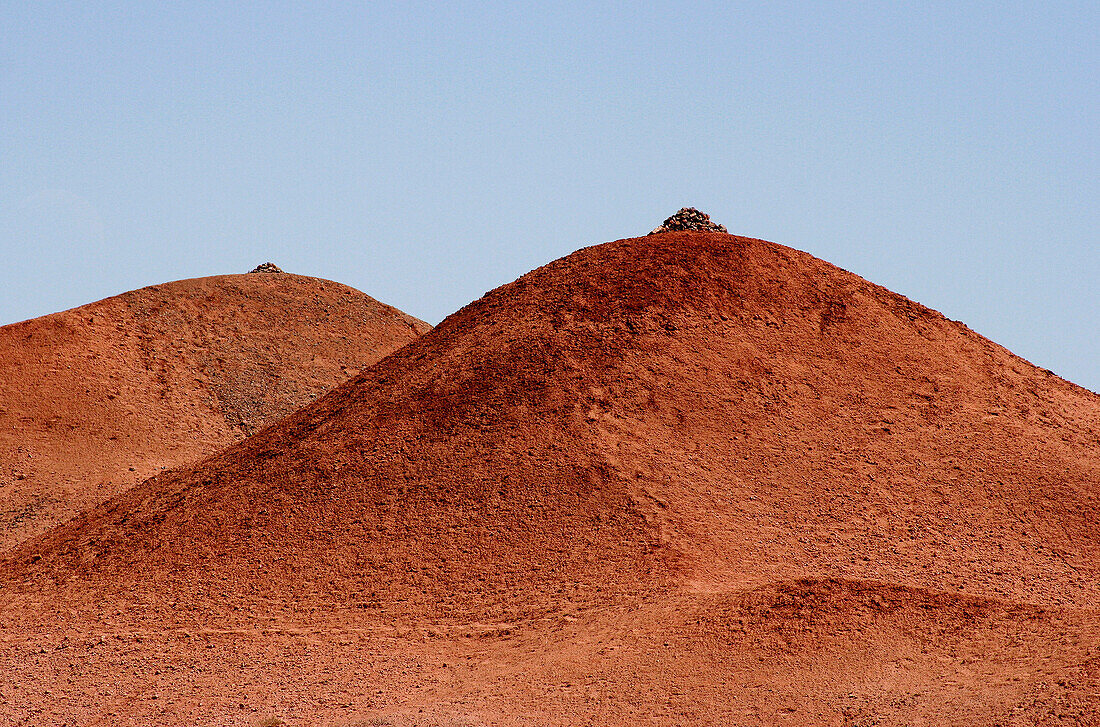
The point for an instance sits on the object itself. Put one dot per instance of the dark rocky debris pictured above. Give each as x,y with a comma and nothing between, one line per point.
689,218
266,268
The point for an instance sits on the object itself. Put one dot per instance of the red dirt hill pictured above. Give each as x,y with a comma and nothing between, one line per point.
95,399
687,478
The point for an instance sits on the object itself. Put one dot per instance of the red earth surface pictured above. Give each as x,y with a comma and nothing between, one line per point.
95,399
690,478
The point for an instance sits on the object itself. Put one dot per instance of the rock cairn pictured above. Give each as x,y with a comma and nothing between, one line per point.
689,218
266,268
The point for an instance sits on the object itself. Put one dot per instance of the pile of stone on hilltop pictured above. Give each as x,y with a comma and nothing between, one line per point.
689,218
266,268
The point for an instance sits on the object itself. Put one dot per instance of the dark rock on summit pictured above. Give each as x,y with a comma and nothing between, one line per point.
266,268
689,218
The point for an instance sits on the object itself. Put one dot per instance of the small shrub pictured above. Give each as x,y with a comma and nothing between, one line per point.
270,722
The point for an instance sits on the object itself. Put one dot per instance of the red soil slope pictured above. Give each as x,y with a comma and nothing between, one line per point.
688,478
98,398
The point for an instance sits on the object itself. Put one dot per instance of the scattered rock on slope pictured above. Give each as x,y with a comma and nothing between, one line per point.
689,218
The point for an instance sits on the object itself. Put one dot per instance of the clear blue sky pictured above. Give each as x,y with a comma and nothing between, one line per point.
427,152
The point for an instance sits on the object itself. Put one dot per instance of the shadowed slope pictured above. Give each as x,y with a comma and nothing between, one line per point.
98,398
686,408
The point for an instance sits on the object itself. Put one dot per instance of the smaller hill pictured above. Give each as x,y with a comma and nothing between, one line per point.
95,399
